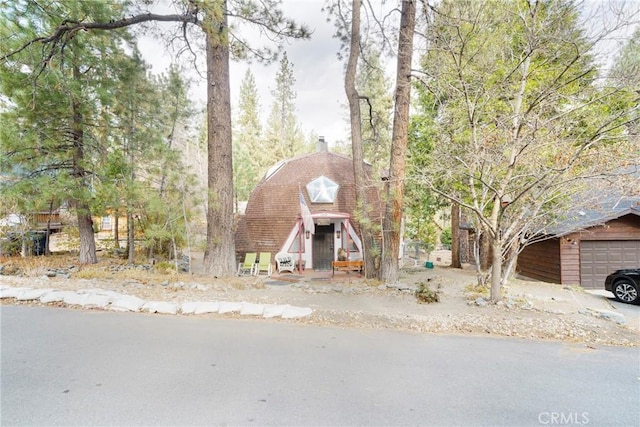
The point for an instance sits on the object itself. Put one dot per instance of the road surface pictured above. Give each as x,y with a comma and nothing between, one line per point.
72,367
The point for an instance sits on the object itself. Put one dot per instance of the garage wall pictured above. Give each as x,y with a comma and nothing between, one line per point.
590,255
541,261
599,258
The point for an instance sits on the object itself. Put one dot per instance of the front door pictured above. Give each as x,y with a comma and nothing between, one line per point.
323,247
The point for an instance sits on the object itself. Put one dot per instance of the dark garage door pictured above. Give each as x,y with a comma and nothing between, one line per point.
599,258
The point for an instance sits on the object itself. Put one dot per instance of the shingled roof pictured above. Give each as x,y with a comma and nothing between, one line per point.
273,207
608,208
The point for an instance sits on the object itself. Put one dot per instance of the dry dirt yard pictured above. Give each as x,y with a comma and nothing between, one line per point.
531,310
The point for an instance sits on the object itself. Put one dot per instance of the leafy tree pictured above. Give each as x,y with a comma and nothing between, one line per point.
221,40
522,125
421,203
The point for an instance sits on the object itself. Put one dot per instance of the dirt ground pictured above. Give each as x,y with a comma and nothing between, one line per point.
529,309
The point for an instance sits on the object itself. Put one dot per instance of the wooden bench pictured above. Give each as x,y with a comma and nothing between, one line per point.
347,266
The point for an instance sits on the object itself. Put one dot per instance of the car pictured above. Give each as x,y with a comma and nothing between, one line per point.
625,285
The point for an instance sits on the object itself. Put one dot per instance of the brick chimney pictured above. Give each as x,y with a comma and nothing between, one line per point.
322,145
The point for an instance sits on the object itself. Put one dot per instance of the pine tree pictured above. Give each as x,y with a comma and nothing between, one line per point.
221,41
248,159
56,106
283,136
376,105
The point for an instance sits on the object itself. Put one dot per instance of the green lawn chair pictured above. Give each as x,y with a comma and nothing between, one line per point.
264,264
249,264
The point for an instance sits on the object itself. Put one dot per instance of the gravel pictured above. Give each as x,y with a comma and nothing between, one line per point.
528,310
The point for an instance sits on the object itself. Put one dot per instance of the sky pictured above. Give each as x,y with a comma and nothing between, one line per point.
321,101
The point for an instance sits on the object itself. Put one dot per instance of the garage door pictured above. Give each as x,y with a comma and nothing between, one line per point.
600,258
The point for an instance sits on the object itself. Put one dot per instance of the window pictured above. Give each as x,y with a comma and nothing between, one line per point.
322,190
106,223
295,245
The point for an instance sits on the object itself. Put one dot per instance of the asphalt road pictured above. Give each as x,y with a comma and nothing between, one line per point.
71,367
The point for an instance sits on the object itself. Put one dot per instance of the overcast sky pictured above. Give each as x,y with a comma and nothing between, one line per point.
321,102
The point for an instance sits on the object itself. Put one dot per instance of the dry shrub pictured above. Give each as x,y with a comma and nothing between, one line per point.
425,294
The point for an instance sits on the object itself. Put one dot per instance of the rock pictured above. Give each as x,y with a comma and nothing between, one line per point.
188,307
481,302
160,307
402,287
127,303
111,295
382,287
229,307
96,301
11,292
10,270
75,299
55,296
250,309
207,307
273,310
610,315
31,294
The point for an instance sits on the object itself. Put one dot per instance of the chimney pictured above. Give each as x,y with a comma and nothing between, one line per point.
321,145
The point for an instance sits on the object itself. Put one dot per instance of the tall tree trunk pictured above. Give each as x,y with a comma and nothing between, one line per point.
131,231
87,253
131,235
496,268
455,236
116,232
47,251
393,211
357,149
87,237
219,257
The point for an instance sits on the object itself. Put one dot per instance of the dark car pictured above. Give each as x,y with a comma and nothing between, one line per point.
625,285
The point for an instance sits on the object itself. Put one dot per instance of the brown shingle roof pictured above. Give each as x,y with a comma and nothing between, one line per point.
274,206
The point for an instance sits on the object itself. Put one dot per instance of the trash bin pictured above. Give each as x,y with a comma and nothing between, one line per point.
428,264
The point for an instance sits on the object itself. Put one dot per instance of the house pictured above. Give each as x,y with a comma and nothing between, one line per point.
273,222
588,245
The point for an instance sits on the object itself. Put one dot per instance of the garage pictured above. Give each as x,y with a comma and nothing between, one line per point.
599,258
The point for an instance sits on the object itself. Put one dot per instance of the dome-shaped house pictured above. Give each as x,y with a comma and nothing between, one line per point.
324,182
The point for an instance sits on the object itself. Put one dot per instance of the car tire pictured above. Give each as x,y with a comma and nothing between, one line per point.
626,291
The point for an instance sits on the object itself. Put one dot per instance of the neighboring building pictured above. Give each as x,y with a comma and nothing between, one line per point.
105,226
273,222
588,246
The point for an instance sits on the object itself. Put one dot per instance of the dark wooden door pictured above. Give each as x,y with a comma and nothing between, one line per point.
323,247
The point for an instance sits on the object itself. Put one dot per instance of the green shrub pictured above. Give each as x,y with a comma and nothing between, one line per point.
425,294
